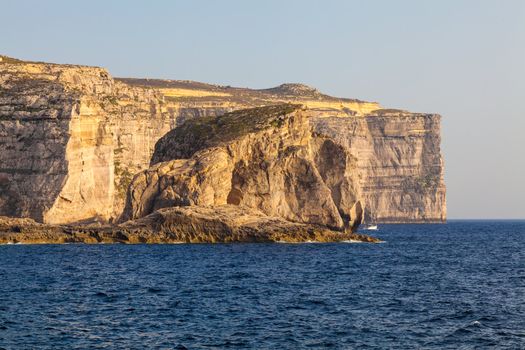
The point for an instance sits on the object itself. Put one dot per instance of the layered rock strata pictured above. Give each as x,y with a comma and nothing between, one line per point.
399,160
72,138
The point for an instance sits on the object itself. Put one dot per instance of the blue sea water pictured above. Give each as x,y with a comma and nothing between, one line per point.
454,286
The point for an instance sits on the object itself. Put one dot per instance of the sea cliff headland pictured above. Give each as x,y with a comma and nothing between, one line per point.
80,147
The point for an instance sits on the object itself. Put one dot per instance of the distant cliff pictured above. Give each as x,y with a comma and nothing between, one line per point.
73,138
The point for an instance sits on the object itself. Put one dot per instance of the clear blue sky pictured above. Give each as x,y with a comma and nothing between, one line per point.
462,59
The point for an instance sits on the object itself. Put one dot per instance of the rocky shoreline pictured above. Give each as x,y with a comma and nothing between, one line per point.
178,225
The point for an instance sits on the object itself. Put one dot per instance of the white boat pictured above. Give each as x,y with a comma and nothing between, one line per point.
371,227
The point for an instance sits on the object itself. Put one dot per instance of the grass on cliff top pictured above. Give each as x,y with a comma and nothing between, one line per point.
199,133
5,59
283,92
235,124
10,60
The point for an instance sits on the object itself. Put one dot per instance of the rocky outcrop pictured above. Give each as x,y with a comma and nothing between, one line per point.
189,224
232,223
263,158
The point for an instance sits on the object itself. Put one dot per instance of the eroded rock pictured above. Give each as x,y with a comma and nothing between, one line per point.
190,224
264,158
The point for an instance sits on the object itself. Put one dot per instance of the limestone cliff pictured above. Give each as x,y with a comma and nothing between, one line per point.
72,138
399,161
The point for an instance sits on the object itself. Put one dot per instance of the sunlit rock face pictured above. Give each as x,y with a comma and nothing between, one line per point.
73,138
399,161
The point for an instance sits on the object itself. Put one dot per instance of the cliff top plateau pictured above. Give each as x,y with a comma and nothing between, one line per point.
186,91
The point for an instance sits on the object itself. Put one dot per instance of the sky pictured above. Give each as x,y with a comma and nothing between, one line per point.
462,59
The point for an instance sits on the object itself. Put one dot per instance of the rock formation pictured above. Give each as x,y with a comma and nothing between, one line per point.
72,138
263,158
228,223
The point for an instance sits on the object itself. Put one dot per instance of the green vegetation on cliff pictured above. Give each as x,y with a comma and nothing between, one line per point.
203,132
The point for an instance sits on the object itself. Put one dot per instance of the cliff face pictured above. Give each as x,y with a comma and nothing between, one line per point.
72,138
399,161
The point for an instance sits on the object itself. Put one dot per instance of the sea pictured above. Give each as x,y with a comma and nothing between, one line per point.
459,285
